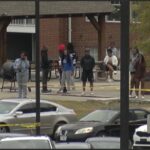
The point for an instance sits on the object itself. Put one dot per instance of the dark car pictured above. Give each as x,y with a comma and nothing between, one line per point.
100,123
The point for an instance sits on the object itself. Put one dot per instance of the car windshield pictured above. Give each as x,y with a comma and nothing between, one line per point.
100,115
6,107
25,144
105,145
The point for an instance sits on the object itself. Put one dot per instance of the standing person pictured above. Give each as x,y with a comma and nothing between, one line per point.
137,71
67,69
45,65
21,67
73,55
87,64
111,63
61,49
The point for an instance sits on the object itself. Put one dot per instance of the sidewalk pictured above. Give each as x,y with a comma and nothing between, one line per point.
103,91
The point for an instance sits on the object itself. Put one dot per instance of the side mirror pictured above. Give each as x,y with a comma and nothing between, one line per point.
18,113
117,121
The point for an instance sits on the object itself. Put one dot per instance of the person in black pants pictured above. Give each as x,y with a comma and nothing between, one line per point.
45,68
87,63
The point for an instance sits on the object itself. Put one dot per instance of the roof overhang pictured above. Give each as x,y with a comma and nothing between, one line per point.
54,8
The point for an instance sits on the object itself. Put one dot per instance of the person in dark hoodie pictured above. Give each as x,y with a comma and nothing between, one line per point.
45,68
87,63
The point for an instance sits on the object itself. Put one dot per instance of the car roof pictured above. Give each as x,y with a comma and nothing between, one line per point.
73,145
4,135
99,139
26,138
17,100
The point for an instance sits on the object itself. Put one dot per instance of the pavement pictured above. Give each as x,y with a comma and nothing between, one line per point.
103,91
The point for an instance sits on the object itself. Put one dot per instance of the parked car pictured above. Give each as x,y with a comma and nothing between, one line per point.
73,145
28,142
100,123
19,116
5,135
104,142
141,138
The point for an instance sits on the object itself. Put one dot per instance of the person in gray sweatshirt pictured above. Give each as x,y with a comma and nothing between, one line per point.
21,66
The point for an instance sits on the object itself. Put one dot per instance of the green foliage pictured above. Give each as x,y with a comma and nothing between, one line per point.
141,27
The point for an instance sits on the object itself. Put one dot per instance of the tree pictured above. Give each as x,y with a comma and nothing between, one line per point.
140,27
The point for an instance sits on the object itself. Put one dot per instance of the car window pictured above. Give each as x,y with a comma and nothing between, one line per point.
100,115
45,107
6,107
28,108
140,114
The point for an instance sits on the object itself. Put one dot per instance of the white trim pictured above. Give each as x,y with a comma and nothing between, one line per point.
21,29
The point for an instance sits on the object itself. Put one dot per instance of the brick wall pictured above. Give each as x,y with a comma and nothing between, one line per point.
55,31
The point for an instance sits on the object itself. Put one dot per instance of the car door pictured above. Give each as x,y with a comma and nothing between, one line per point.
48,117
25,121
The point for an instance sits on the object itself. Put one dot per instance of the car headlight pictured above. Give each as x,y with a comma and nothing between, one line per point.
58,130
84,130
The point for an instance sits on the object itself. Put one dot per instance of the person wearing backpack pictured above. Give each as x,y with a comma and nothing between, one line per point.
87,64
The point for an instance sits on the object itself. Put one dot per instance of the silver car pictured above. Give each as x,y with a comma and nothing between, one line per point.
20,116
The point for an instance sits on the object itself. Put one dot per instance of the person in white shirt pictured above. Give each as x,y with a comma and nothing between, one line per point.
111,62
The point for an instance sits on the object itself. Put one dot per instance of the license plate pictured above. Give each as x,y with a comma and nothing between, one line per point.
63,138
143,140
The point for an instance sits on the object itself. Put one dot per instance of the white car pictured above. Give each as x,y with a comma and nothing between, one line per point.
27,142
141,138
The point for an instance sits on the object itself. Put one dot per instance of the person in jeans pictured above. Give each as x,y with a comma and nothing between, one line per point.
87,64
73,55
67,69
21,66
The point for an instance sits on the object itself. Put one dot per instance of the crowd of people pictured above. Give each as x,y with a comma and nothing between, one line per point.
67,63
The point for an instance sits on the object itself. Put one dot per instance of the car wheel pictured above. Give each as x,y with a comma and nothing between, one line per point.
4,129
56,127
102,134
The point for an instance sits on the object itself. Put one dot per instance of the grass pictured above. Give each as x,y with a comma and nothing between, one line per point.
84,107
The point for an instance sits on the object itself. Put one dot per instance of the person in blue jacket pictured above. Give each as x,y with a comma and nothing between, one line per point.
67,70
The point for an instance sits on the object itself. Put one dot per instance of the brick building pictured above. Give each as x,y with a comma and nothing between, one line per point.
58,24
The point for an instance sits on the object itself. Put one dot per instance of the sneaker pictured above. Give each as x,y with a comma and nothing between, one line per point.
130,96
142,97
115,72
109,80
92,93
64,90
136,97
83,93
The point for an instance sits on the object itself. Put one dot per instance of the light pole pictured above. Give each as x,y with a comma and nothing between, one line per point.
124,95
37,25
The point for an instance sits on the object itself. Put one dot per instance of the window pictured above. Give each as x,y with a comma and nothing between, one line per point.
45,107
140,114
28,108
23,22
94,53
115,16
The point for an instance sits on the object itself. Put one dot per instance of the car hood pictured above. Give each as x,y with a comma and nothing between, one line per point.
82,124
142,128
4,116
